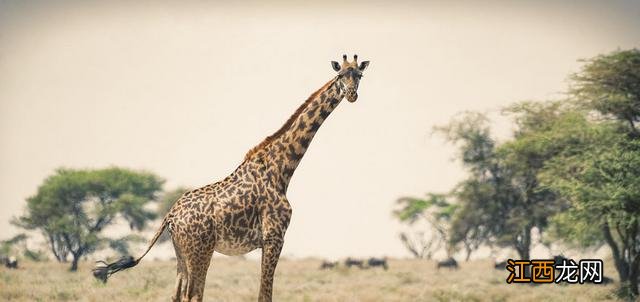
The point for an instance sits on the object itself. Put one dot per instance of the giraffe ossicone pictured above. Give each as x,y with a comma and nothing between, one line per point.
249,208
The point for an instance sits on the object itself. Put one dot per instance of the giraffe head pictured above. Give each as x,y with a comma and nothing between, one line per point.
349,74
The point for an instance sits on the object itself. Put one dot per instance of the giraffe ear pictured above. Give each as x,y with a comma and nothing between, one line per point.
335,65
363,65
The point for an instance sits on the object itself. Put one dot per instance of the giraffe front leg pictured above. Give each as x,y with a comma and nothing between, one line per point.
270,253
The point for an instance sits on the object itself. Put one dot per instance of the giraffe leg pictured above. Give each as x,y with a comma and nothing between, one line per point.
197,265
270,254
180,275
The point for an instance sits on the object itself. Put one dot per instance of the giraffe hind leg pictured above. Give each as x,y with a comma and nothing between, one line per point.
193,254
197,265
181,274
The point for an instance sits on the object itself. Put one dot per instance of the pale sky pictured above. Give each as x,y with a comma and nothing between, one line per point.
184,89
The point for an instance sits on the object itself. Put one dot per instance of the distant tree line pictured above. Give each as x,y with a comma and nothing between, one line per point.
571,171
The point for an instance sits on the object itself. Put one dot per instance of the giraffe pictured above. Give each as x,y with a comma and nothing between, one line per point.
249,208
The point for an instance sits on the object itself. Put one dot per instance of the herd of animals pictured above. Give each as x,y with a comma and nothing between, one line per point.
449,263
362,264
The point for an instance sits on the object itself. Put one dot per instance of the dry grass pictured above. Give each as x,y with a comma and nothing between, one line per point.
232,279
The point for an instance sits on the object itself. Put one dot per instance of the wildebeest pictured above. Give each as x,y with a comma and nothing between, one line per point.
373,262
353,262
12,263
450,263
9,262
328,264
500,265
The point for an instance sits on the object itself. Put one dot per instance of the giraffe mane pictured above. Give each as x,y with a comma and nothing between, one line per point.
289,121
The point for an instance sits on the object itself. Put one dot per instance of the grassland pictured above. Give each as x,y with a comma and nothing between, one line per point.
233,279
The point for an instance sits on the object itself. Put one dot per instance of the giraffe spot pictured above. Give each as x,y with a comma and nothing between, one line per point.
324,114
314,127
293,155
302,125
304,142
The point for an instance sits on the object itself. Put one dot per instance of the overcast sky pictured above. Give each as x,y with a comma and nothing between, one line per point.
185,89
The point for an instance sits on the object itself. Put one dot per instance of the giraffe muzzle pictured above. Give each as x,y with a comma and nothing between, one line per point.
352,96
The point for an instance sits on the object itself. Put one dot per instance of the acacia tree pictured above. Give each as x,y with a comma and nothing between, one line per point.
72,207
434,211
600,172
482,195
501,201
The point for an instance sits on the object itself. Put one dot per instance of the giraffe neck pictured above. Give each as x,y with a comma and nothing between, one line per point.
283,151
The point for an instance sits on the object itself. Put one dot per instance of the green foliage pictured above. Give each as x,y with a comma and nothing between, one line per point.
33,255
72,207
469,223
610,84
412,209
603,185
17,245
436,212
8,246
501,201
574,228
596,166
470,131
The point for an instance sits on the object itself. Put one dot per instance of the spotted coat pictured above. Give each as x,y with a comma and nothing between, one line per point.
249,208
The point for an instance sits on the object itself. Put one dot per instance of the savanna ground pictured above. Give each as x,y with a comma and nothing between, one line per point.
234,279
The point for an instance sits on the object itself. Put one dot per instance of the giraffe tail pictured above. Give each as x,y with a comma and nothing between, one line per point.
104,270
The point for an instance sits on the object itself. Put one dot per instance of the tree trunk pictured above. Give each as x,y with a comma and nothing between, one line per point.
524,254
409,246
633,282
523,244
469,249
76,258
74,263
615,252
626,261
634,259
61,256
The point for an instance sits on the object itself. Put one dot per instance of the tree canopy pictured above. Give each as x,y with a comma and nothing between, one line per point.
501,201
435,211
72,207
599,172
610,84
